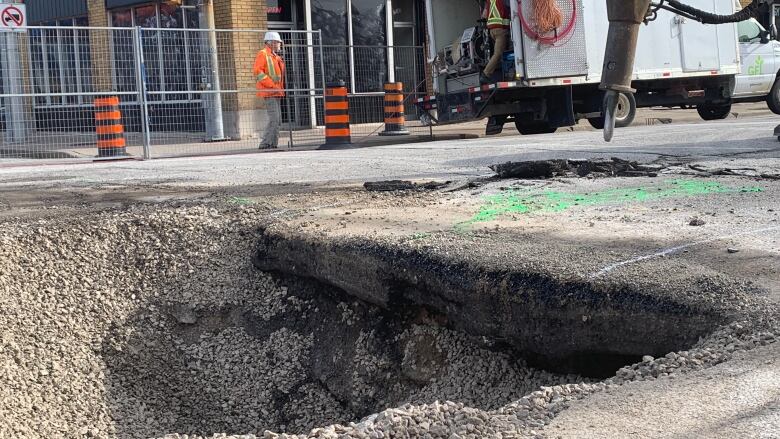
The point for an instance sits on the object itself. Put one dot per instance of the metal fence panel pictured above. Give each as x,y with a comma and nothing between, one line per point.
182,91
51,79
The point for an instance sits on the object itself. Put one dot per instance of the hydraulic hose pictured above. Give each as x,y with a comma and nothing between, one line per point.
705,17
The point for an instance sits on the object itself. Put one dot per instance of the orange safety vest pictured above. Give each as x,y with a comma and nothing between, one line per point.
269,70
498,14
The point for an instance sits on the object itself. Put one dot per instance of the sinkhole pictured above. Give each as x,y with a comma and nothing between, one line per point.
197,320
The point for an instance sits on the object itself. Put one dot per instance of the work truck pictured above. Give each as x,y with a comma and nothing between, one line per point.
549,80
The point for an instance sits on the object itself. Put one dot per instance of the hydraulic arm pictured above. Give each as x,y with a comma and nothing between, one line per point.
625,18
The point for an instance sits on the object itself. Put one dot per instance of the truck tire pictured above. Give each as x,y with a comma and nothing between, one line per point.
527,128
625,114
773,98
714,112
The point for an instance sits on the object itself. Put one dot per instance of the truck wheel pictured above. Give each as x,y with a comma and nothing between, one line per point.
773,98
714,112
624,114
526,128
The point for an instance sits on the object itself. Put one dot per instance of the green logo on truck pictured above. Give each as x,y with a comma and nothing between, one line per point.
756,68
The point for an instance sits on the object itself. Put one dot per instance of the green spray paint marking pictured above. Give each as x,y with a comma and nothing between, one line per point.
522,202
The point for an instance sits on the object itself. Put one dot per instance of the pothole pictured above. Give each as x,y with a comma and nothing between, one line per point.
151,321
327,358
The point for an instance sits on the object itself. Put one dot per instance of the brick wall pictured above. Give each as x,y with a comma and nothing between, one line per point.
238,49
99,41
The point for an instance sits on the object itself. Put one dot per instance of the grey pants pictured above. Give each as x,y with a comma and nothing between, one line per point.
273,107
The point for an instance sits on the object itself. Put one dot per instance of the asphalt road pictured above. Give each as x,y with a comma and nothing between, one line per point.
749,139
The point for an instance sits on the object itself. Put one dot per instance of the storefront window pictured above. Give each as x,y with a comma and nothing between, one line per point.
84,55
52,62
146,16
174,51
58,62
367,32
369,38
403,11
122,18
330,16
279,10
172,56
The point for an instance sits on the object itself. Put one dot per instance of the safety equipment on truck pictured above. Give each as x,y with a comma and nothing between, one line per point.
548,19
547,15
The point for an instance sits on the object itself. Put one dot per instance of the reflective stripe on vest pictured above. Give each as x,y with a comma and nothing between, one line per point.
271,67
495,15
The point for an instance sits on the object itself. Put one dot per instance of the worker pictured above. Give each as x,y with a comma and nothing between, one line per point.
269,70
496,12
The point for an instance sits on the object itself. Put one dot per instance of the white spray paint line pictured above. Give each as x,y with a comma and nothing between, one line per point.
672,250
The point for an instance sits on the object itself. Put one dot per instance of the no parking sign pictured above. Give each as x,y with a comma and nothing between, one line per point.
13,17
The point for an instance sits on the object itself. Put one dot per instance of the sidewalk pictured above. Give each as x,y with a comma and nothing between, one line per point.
61,145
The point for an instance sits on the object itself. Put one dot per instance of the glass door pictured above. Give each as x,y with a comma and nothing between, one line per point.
283,17
408,58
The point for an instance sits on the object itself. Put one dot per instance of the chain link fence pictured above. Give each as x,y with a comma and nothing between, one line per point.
182,91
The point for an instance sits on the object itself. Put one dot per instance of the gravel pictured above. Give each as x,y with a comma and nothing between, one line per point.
527,416
151,320
74,291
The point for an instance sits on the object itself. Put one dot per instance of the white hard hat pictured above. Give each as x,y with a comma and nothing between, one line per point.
273,36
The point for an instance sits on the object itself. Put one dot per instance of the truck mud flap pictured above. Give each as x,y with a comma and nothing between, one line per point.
560,107
495,125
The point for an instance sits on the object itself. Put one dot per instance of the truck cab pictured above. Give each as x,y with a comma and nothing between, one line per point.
760,58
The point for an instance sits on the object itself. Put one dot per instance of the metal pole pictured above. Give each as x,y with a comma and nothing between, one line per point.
310,62
16,129
351,55
215,128
390,52
290,143
322,72
140,73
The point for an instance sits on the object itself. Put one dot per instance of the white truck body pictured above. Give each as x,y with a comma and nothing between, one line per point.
669,47
678,61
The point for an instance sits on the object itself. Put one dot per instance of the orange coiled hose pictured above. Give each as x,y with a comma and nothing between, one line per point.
547,15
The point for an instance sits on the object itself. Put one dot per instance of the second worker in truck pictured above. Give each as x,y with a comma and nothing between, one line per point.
497,14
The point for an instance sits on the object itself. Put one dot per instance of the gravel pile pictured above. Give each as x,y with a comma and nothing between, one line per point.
527,416
72,289
152,320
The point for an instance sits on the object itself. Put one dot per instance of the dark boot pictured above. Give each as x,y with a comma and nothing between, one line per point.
484,79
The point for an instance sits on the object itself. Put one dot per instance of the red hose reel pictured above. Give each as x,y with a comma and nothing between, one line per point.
551,40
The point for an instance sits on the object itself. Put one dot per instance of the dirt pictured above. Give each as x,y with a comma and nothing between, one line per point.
542,169
750,383
433,312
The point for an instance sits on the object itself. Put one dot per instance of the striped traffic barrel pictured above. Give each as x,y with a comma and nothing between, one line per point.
337,131
394,110
108,125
